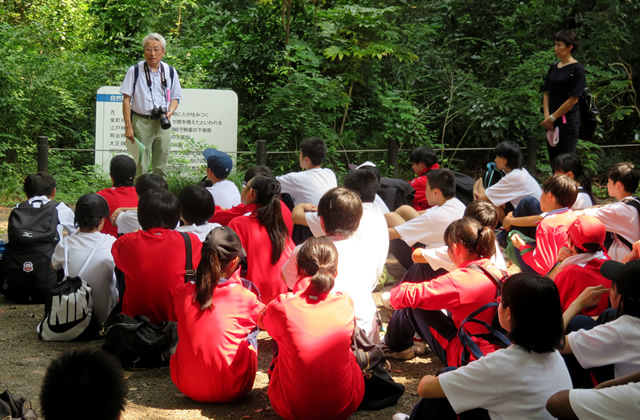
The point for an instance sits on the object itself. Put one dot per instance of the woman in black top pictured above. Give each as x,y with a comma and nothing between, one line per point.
563,87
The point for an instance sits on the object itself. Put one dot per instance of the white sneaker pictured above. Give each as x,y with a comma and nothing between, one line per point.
400,416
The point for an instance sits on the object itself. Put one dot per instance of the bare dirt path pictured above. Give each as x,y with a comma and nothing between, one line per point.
152,395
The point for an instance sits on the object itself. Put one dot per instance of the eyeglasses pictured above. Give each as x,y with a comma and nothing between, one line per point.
153,50
244,184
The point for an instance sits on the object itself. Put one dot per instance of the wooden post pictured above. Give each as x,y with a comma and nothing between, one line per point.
392,152
43,153
532,154
261,155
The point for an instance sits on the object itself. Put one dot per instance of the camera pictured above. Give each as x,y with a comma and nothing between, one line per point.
160,113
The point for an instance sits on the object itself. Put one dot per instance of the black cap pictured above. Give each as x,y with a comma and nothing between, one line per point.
625,276
122,169
224,242
91,207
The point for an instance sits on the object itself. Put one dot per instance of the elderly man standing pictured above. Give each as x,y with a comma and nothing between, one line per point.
151,93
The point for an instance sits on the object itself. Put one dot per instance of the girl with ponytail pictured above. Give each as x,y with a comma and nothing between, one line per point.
216,359
460,292
314,373
264,235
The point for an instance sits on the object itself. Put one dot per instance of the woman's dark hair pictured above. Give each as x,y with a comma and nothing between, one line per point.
477,239
510,151
159,208
568,37
197,204
148,182
569,162
318,258
269,213
340,210
536,312
484,212
423,154
257,170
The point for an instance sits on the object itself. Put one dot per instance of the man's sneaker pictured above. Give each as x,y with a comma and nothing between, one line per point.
406,354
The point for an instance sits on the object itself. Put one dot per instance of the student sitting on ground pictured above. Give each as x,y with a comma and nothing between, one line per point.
310,184
586,243
40,188
340,211
426,229
569,164
197,208
315,374
620,218
224,192
92,211
126,218
93,377
517,184
225,216
372,231
604,341
423,159
265,236
217,355
153,259
122,170
559,194
511,383
461,291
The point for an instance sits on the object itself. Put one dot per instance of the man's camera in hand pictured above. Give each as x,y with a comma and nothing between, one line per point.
160,113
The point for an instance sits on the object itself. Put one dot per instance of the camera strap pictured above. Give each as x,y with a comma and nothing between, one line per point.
163,79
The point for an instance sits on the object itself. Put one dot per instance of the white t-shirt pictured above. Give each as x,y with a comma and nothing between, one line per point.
439,258
621,219
509,383
355,277
201,231
372,234
429,227
225,194
307,186
99,274
582,201
620,402
127,222
381,205
615,343
513,187
66,218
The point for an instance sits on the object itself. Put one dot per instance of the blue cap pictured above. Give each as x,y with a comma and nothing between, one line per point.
219,162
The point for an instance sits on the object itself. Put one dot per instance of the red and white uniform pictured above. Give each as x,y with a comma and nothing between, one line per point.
225,216
315,374
153,263
214,361
117,197
551,235
574,278
419,184
256,242
461,292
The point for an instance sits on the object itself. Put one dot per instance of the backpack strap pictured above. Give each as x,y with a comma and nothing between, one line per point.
86,262
498,282
190,274
136,73
470,346
93,251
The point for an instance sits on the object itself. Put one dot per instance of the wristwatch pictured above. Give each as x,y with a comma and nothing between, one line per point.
552,118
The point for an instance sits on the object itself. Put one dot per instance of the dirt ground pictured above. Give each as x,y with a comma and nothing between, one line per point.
152,395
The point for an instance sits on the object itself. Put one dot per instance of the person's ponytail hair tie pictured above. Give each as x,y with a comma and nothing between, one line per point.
318,258
475,238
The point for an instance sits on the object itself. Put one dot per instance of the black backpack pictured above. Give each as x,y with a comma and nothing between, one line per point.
588,115
464,187
33,236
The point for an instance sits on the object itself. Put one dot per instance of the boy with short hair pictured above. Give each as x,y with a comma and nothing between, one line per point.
559,192
122,170
310,184
40,188
126,218
423,159
622,218
427,228
224,192
93,377
197,209
92,211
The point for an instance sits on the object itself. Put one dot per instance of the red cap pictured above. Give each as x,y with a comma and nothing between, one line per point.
585,230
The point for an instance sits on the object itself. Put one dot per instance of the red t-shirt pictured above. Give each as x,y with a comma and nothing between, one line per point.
153,263
461,292
573,279
117,197
224,217
551,235
315,374
214,362
256,242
